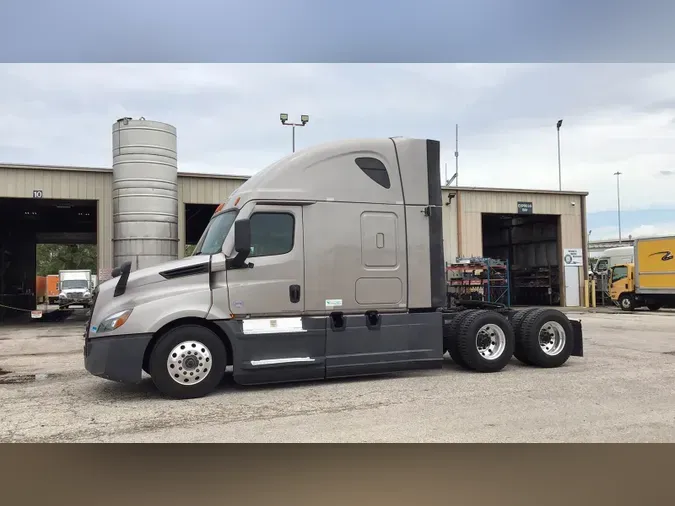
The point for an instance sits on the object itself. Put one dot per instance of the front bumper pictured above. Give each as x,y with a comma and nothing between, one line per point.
116,358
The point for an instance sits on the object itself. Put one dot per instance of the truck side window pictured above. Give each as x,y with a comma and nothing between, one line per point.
375,170
619,272
271,234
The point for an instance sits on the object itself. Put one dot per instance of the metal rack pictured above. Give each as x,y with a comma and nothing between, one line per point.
478,278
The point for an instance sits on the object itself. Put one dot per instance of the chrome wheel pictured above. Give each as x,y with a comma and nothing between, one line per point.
625,302
552,338
490,341
189,363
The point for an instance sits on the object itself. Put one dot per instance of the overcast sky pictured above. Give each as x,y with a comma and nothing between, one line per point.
617,117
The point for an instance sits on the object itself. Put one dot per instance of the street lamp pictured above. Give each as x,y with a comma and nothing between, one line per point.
304,119
618,202
558,125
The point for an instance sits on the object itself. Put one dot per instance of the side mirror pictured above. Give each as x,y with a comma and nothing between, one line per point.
242,236
242,243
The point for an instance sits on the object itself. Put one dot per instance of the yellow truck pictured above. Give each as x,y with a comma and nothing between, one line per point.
648,281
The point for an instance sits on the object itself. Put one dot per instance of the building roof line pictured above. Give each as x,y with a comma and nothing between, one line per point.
108,170
514,190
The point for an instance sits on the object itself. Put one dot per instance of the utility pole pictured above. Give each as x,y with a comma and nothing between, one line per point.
558,125
304,119
618,202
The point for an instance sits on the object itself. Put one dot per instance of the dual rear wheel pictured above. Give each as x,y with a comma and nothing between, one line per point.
485,341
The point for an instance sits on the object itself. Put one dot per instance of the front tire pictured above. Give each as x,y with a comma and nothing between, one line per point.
485,341
188,362
627,302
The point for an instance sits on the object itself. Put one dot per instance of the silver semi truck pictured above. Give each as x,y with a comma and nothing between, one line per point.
326,264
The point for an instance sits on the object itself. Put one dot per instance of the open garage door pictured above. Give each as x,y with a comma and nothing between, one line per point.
27,223
197,216
531,244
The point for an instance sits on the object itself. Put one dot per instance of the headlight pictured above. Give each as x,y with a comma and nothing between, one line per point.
114,321
62,296
87,294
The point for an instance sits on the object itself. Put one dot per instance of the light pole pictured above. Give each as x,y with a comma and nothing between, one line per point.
558,125
304,119
618,202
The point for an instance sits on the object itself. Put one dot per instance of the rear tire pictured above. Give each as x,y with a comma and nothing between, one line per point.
485,341
450,337
517,323
188,362
627,302
653,307
546,338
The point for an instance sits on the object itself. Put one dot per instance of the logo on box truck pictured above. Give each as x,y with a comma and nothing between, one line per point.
667,255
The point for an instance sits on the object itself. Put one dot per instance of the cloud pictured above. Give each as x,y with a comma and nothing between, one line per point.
612,233
617,117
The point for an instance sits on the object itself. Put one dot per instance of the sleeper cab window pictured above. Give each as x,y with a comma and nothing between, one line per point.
271,233
375,170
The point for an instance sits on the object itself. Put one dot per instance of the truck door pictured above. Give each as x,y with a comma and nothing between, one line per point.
277,343
274,285
618,283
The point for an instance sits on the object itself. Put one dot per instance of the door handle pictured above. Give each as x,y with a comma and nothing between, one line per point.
294,293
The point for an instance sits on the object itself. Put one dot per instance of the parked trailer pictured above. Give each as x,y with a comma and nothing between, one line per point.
328,263
40,289
53,288
649,280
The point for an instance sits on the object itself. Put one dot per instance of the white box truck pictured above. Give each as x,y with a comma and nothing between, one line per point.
328,263
75,288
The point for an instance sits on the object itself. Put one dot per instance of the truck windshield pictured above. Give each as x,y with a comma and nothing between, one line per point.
619,272
216,231
68,284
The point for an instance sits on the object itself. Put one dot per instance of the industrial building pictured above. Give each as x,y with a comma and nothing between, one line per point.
144,210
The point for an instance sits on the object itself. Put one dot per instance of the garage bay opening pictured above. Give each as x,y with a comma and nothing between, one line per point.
530,244
197,216
39,238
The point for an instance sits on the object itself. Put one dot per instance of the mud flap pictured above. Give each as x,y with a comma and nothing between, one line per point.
578,348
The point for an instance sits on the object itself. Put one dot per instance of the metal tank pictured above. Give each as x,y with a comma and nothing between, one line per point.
145,193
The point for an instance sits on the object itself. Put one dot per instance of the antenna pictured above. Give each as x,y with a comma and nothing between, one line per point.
456,155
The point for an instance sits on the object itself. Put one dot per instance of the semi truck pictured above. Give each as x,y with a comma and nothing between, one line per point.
647,281
75,288
328,263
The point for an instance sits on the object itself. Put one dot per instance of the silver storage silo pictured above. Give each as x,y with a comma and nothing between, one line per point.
145,193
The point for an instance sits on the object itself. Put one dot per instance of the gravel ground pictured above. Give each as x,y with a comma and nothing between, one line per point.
619,392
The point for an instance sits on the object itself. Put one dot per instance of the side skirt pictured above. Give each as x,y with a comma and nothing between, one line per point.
276,350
